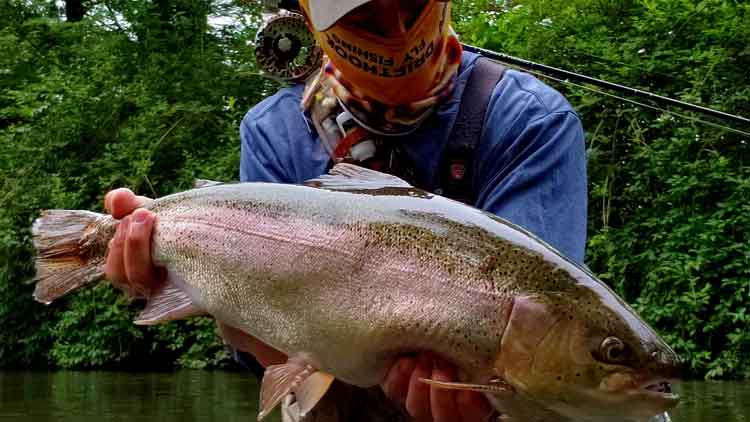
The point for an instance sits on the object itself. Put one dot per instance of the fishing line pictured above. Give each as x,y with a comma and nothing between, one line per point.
628,100
572,51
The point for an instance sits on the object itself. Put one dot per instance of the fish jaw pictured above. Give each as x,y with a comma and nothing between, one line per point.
651,393
637,404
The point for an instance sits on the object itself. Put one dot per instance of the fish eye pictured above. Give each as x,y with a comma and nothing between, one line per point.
613,350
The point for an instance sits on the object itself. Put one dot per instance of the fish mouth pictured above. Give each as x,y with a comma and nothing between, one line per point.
660,390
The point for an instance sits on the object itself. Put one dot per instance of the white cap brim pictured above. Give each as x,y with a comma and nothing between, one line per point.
324,13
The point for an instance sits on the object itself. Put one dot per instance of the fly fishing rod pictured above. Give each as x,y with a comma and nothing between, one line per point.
572,76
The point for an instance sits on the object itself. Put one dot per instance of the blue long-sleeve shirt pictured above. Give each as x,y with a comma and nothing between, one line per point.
530,161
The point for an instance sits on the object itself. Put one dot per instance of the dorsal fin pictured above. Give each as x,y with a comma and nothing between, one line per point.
350,177
204,183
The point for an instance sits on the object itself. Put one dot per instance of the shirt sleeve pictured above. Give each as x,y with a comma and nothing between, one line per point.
538,179
277,144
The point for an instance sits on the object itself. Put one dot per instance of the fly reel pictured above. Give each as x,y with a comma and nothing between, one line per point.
285,49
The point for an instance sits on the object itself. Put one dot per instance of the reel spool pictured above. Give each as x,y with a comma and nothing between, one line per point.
285,49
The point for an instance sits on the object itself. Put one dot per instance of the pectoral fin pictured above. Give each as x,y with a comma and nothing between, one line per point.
168,303
295,376
494,387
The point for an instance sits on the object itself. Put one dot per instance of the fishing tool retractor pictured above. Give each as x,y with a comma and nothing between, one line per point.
285,48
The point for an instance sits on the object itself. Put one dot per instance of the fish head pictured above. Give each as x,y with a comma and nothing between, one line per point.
587,357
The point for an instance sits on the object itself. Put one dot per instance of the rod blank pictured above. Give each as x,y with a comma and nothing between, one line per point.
565,74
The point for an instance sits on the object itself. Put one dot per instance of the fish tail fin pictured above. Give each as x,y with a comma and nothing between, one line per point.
71,251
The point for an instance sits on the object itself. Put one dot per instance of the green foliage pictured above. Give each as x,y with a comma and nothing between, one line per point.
147,94
669,203
93,330
140,94
194,341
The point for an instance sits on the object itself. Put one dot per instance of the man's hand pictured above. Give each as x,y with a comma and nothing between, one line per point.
431,404
129,263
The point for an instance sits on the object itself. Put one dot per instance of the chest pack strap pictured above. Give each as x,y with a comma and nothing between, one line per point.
456,172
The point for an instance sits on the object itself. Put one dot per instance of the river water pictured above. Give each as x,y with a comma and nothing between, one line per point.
186,396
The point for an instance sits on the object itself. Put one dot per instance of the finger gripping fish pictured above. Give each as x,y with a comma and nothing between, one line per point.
347,272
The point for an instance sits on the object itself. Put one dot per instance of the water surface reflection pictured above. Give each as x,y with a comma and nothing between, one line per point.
187,396
126,396
705,401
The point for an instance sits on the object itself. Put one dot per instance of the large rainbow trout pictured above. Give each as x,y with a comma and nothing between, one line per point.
352,269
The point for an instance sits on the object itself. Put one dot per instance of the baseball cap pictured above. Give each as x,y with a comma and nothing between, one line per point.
324,13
